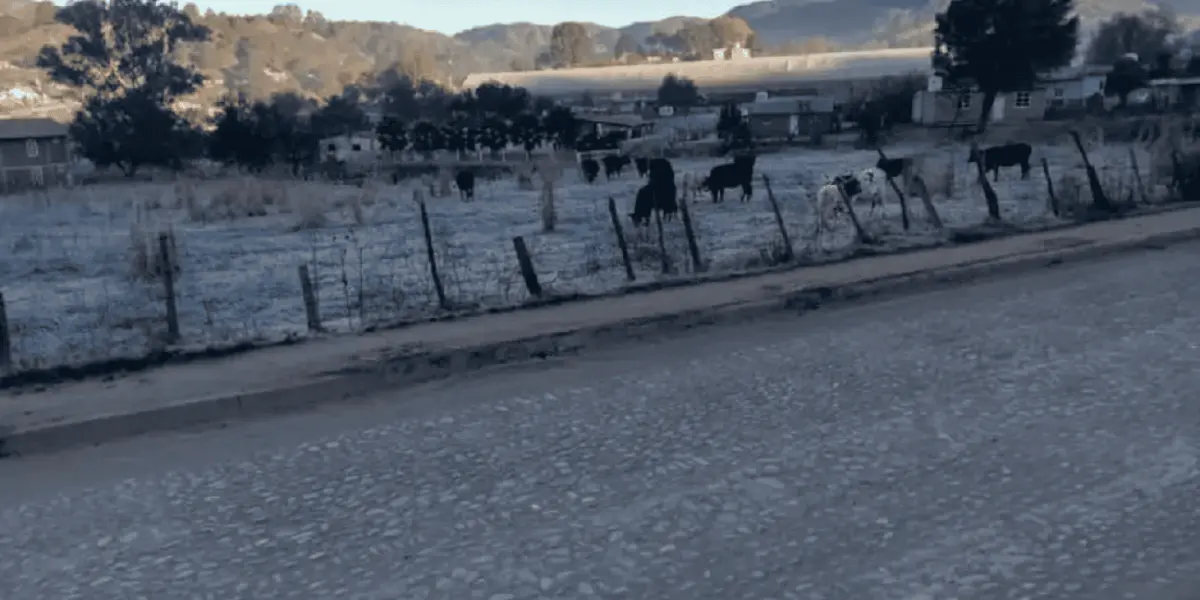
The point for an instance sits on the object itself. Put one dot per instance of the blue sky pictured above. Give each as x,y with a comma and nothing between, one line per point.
456,15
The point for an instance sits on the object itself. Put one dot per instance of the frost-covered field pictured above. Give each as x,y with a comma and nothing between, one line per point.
76,288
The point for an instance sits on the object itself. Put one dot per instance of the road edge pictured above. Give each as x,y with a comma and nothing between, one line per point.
425,367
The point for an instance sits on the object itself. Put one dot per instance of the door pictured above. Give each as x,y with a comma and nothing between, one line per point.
998,108
793,125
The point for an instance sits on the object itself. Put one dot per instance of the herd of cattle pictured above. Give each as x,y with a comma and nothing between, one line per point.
660,193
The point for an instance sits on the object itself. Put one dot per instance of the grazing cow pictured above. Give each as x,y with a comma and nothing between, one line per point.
739,173
1008,155
465,180
864,185
614,164
643,205
657,195
662,177
591,169
643,166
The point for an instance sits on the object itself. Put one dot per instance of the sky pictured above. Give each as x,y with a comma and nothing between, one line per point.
453,16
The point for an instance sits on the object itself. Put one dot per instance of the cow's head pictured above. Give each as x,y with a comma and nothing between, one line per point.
973,157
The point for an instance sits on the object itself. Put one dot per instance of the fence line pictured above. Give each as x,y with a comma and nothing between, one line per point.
209,286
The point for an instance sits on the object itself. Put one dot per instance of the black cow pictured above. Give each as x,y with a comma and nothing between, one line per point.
1008,155
662,177
614,164
591,169
643,205
465,180
643,166
739,173
659,194
895,168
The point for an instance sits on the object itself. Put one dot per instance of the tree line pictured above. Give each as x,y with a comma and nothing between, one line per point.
1141,47
121,55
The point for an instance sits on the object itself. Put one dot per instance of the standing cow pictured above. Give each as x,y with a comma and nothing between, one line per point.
739,173
1008,155
591,169
465,180
614,164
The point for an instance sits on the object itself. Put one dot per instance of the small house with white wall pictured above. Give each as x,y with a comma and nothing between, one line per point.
936,106
1071,87
356,148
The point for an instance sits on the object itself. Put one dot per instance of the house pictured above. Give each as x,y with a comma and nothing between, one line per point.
624,125
356,148
1072,87
1175,92
736,52
937,107
34,153
788,118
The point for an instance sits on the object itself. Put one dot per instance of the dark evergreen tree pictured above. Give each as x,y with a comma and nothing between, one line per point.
1003,45
122,55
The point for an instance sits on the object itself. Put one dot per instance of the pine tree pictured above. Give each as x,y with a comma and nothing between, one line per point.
1003,45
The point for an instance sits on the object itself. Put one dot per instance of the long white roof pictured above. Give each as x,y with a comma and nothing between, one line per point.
710,74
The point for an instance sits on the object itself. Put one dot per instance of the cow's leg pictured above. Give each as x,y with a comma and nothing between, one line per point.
996,174
1025,170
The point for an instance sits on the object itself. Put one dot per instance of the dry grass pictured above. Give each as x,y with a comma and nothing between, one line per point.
361,281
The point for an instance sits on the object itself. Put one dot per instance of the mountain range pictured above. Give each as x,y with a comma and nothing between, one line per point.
846,23
291,49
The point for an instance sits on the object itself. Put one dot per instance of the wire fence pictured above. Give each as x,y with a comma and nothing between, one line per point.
99,274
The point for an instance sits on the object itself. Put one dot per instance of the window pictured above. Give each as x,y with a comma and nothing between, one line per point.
1023,100
964,101
31,148
36,175
1059,93
356,147
331,148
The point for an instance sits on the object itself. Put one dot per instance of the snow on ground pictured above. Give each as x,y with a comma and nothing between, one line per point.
70,282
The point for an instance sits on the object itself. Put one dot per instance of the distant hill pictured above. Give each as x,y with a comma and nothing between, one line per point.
293,50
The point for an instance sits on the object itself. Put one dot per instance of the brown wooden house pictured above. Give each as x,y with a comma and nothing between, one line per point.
34,153
790,118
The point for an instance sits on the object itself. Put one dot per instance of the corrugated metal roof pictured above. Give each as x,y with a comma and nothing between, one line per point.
1077,72
716,74
19,129
788,105
618,120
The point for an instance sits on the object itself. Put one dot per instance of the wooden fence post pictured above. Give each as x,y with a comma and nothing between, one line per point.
788,252
616,222
526,264
1099,198
433,268
167,264
312,311
5,340
863,238
1137,176
989,193
686,214
899,194
1050,187
662,244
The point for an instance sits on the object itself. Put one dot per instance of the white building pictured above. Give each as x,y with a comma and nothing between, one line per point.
356,148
